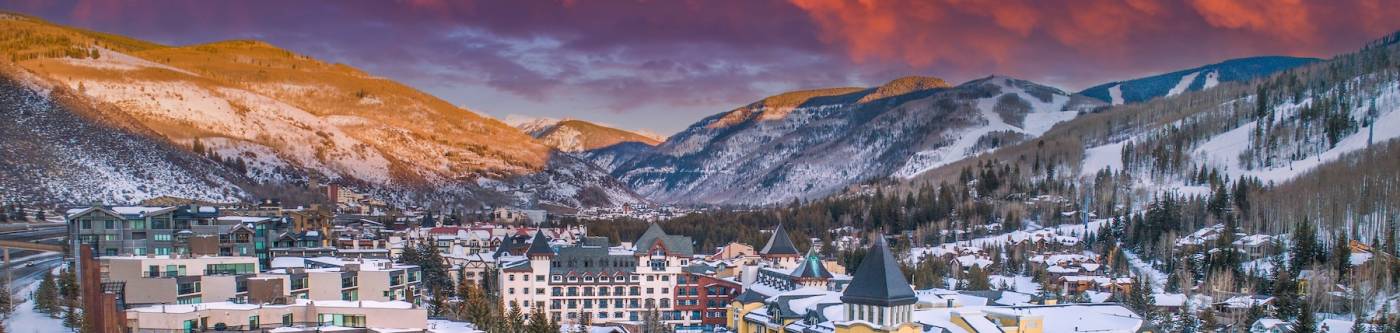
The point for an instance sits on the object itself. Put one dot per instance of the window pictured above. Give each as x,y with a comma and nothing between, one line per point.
163,251
287,320
109,224
350,295
253,322
356,321
161,237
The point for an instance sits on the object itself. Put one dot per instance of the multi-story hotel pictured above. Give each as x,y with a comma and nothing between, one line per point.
605,284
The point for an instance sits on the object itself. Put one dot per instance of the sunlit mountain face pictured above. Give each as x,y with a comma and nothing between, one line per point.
584,104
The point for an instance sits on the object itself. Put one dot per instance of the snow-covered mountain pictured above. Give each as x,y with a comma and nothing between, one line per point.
1194,79
282,117
807,144
572,135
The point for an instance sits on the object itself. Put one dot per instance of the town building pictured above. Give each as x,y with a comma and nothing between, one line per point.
296,316
331,278
180,279
605,284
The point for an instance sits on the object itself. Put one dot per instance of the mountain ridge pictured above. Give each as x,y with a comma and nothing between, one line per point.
1192,79
274,110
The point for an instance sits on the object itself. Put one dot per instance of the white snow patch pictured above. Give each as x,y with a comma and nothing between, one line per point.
1109,156
1212,80
1115,94
1184,84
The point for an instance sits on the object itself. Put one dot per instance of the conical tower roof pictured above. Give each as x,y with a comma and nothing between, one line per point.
878,280
779,244
811,267
539,245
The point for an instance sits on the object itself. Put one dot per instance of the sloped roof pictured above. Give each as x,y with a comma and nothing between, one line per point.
677,245
539,245
780,243
811,267
750,296
878,280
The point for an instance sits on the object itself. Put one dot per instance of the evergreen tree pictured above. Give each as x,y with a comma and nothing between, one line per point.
1304,246
1306,322
46,297
72,319
7,301
1341,256
651,322
477,307
1140,298
977,279
68,287
1255,313
539,322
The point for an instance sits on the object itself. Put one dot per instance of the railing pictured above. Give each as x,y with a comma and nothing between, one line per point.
264,327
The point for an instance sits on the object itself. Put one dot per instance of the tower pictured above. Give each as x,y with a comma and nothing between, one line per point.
878,297
811,272
780,250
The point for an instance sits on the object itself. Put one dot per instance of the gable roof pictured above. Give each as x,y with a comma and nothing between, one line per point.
539,245
780,243
878,280
811,267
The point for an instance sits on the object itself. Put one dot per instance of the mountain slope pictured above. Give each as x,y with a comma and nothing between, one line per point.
1287,147
1194,79
572,135
48,152
275,110
811,143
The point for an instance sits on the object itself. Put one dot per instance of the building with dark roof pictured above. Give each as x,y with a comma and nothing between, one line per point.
606,284
780,249
879,297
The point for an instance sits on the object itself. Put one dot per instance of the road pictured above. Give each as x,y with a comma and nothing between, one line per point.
47,235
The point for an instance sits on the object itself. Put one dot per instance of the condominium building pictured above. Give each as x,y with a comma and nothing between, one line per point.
295,316
180,279
139,231
330,278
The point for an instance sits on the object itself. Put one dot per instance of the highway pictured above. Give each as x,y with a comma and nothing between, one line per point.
46,235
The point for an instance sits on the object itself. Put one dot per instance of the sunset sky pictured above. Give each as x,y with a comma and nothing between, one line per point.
660,65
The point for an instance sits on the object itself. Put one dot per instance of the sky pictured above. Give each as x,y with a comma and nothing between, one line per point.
662,65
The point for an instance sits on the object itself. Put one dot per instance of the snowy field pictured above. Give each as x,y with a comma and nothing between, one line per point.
25,319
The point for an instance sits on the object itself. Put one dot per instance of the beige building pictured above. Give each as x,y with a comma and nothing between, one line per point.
176,279
329,278
299,316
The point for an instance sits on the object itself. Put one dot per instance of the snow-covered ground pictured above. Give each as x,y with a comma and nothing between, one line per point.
25,319
1155,278
1115,94
1184,84
1224,150
1041,117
